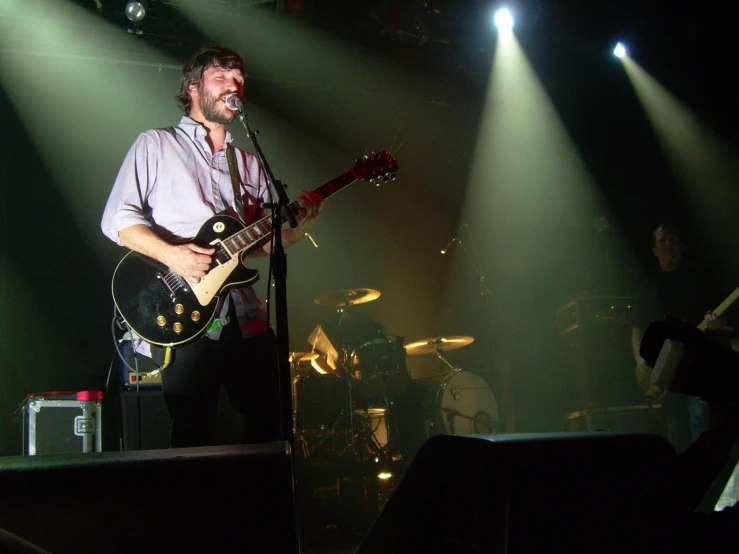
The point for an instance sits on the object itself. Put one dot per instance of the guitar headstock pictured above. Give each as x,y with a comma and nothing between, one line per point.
378,168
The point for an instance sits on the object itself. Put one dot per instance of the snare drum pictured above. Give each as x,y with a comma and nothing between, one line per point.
454,403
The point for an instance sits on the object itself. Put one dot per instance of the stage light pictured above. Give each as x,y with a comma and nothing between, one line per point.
136,10
503,20
619,51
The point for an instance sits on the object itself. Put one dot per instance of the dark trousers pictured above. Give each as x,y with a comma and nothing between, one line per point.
248,371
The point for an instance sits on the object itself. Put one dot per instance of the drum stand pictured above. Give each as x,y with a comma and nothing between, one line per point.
443,359
437,351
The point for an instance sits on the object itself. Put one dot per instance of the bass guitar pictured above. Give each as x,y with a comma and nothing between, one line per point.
164,309
655,394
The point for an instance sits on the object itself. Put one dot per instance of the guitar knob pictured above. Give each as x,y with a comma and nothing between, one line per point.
179,309
161,321
177,327
195,316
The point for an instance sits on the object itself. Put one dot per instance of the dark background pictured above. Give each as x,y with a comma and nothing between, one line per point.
408,76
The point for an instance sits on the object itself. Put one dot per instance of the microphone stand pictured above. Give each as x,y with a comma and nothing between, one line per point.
474,259
491,306
280,209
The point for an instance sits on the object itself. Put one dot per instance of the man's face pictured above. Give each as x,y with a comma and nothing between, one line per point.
668,249
210,94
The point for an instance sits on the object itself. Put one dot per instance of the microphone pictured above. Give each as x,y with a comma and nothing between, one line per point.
233,102
448,245
453,239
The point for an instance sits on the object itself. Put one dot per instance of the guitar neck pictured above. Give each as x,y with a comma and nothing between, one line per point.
721,308
251,235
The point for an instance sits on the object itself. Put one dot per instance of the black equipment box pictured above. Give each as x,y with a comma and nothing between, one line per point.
62,423
642,418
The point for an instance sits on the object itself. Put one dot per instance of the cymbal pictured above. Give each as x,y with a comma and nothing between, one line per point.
303,356
437,344
347,297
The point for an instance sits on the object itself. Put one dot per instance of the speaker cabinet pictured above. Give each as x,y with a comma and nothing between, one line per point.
212,499
559,492
145,420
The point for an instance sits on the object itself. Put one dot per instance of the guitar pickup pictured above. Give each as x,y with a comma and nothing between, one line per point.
222,255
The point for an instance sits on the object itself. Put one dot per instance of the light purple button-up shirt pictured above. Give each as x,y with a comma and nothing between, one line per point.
170,181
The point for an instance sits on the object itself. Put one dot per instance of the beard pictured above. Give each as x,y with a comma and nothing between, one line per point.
213,108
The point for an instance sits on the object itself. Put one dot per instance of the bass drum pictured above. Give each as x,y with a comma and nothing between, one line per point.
454,403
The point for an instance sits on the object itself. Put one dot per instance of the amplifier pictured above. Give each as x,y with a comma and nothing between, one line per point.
143,379
145,421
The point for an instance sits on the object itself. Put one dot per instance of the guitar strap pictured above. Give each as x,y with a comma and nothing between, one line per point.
234,172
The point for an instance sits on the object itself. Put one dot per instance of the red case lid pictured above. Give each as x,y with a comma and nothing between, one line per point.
90,395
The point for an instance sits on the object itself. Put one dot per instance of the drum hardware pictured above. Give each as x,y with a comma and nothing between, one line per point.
372,443
298,357
374,374
299,361
450,415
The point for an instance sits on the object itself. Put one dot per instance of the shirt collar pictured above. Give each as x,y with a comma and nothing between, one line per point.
196,130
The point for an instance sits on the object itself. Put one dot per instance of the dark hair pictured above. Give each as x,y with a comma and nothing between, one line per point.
664,227
192,71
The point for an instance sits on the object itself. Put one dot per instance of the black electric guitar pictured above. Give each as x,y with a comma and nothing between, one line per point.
655,394
165,309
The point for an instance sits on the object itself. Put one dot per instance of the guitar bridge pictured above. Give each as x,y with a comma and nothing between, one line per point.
172,283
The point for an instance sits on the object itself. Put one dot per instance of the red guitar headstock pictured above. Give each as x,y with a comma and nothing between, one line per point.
378,167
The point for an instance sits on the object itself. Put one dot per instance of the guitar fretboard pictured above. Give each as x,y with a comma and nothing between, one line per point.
258,230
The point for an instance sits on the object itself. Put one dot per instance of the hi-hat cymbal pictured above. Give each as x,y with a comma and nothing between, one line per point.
437,344
347,297
303,356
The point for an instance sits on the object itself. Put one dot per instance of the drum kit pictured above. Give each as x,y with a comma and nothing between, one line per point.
354,399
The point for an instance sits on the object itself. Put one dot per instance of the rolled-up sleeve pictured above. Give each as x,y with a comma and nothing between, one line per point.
127,204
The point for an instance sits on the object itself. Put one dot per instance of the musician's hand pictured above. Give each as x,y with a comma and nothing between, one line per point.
312,204
713,322
189,260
